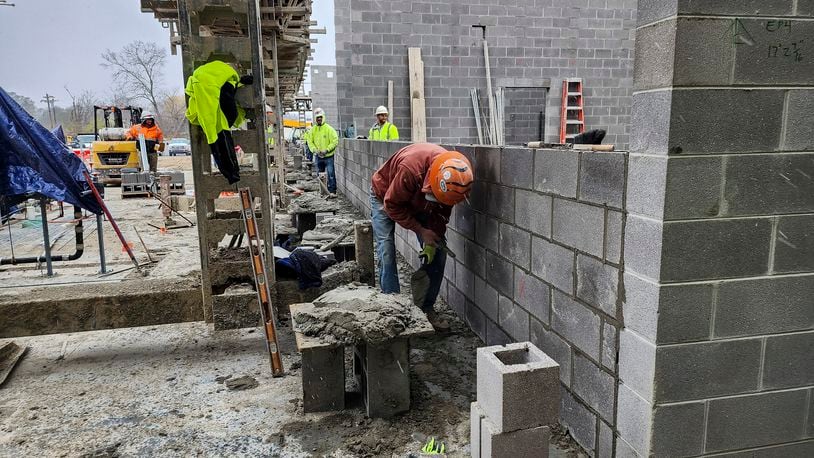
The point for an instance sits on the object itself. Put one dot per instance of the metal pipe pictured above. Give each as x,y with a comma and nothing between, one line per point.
80,247
99,229
46,240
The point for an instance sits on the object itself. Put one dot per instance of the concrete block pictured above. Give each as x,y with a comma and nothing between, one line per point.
500,202
710,249
643,247
595,386
602,178
788,361
794,244
634,422
478,196
655,56
518,386
637,363
579,421
556,172
495,335
550,343
456,300
464,218
712,67
695,371
693,188
386,386
488,160
610,347
766,184
517,167
487,231
751,307
646,185
553,263
485,442
756,420
476,320
474,257
486,298
805,8
465,280
614,233
654,10
743,7
650,123
532,294
725,121
597,284
500,274
800,118
604,444
513,319
515,244
782,60
579,225
678,430
323,379
578,324
533,212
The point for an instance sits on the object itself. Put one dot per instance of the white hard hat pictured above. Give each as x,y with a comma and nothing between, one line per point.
381,110
319,112
147,115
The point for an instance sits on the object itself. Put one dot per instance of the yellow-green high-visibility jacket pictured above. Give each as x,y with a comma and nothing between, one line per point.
383,132
203,89
323,138
270,135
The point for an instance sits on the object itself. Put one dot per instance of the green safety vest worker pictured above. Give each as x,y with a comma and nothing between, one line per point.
270,135
203,89
322,138
383,130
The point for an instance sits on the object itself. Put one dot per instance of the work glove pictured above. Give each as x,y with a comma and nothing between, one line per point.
427,254
322,153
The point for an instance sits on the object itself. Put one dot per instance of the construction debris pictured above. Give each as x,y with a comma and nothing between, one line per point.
312,202
10,354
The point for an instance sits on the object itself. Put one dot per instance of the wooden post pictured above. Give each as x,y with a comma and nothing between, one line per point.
390,100
417,106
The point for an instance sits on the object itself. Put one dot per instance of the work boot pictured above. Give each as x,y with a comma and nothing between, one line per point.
438,322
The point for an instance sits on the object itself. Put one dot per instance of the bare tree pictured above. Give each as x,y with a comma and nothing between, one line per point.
27,103
81,111
173,120
138,69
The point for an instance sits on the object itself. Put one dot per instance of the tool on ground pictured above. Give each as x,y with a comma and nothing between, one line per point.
167,205
572,114
143,245
260,280
434,447
10,354
337,240
110,218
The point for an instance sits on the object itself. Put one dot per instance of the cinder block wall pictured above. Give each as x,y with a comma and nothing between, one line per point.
532,43
539,258
323,92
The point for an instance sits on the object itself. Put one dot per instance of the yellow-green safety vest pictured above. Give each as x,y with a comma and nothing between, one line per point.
383,132
203,89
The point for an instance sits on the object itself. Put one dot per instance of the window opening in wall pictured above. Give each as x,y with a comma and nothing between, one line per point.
524,114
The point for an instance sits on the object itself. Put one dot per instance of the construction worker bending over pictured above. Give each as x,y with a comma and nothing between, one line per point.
383,131
323,141
153,137
417,188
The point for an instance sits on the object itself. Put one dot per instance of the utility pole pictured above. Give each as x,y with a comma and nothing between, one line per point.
49,101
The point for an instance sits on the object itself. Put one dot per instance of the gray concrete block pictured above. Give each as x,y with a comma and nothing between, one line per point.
456,300
513,319
650,123
805,8
643,246
800,118
693,188
655,56
553,263
702,250
646,185
495,335
595,386
463,217
533,212
386,386
476,320
515,244
518,386
634,422
641,306
694,371
474,256
769,184
579,225
712,67
602,178
637,363
486,298
532,294
487,232
500,202
465,281
578,324
500,274
784,62
597,284
724,121
610,346
485,442
550,343
604,443
323,379
614,232
756,420
556,172
517,167
788,361
579,421
742,7
488,160
751,307
678,430
654,10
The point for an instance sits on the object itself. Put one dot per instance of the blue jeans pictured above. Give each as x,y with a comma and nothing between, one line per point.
326,164
435,270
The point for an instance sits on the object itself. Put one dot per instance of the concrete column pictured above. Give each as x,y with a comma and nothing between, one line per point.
718,247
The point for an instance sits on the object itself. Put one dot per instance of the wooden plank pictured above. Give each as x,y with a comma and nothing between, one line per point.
419,121
417,105
390,100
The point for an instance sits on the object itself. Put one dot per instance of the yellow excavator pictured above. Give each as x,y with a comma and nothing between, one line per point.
110,152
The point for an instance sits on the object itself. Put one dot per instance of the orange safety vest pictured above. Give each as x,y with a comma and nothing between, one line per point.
150,133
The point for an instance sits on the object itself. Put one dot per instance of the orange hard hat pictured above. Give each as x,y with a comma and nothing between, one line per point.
450,177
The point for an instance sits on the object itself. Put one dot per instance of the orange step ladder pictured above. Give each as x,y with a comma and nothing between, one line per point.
572,113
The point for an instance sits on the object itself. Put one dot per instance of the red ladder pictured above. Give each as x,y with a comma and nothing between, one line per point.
572,113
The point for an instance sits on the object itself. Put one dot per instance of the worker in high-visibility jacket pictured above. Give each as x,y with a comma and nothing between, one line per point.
323,141
305,148
383,131
153,137
212,105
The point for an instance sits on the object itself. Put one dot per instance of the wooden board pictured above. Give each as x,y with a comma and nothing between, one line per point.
417,106
419,124
10,354
390,100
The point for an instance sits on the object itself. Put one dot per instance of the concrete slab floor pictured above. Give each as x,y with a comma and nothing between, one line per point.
160,391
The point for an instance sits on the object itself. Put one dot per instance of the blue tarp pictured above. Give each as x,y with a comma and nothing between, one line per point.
34,161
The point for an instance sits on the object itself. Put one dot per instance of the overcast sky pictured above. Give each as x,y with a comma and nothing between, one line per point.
48,44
